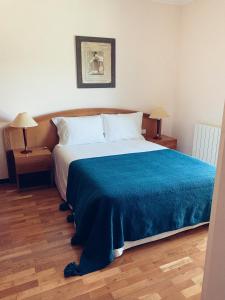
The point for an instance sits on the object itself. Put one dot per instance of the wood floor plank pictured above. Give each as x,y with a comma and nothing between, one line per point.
192,291
176,264
35,247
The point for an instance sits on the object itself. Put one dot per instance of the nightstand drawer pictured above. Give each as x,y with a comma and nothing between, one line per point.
34,167
27,165
165,141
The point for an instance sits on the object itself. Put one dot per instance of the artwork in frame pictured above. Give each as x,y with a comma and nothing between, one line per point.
95,62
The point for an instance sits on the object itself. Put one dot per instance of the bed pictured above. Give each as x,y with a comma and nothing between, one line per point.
95,172
123,193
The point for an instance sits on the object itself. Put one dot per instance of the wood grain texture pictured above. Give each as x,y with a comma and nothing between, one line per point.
45,134
35,247
40,159
165,141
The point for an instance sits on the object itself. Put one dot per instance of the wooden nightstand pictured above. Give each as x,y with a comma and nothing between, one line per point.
165,141
33,169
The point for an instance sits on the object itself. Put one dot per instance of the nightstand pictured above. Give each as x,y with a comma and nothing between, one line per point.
165,141
33,169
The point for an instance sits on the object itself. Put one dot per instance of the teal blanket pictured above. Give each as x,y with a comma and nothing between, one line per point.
133,196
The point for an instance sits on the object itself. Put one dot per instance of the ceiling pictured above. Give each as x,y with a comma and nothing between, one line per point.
175,2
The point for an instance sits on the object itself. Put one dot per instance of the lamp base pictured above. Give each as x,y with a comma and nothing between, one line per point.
158,132
26,151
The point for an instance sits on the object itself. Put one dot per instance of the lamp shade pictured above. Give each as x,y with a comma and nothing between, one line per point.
158,113
23,120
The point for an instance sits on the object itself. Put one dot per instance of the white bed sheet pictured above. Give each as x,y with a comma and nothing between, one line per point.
64,155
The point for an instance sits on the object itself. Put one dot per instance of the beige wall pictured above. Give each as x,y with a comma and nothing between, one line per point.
37,59
201,77
213,283
37,62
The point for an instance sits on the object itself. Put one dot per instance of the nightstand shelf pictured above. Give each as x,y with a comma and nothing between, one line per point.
165,141
33,169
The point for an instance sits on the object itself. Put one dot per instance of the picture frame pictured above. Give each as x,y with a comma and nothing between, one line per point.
95,62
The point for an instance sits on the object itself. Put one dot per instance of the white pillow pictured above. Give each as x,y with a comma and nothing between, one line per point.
79,130
122,126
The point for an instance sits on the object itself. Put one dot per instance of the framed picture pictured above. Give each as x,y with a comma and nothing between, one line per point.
95,62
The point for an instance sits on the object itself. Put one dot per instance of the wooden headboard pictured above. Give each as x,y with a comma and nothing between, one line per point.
45,134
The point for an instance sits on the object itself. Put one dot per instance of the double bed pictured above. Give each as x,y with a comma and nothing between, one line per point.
128,193
122,193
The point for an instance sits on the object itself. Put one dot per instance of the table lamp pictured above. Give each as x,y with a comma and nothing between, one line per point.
23,120
158,113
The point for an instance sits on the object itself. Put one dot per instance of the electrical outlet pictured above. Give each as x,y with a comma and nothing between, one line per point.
143,131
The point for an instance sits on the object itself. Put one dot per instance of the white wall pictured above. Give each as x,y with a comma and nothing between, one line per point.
213,283
37,59
201,77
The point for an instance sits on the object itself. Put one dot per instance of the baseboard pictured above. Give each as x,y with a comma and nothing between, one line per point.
5,180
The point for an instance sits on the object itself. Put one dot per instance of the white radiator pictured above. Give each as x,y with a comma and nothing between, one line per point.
206,143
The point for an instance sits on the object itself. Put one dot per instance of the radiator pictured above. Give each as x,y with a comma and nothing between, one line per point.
206,143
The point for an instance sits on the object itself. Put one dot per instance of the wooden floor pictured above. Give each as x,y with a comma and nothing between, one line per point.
35,247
